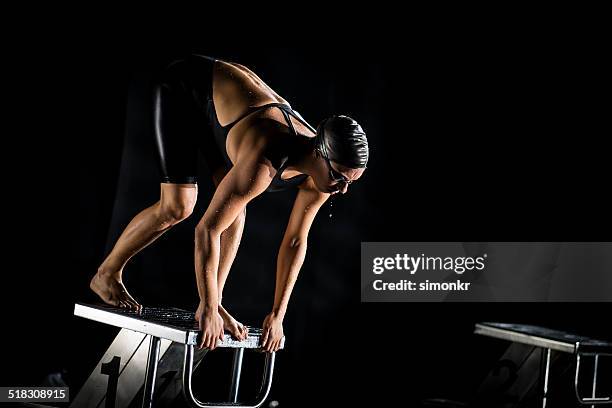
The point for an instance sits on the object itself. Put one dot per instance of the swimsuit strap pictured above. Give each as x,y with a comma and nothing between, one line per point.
288,119
299,117
252,110
285,109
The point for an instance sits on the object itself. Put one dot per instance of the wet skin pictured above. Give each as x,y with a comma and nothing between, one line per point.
220,229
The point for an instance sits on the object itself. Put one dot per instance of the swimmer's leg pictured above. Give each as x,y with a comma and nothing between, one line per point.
176,203
230,241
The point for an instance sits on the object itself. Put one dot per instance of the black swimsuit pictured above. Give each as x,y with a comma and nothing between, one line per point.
186,122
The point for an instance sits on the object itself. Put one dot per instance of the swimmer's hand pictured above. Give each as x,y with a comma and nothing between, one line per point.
211,325
272,333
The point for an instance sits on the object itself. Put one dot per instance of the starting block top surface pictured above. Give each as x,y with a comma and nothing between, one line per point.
167,323
543,337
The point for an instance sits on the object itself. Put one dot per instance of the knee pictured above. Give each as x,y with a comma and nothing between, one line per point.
176,211
208,227
205,232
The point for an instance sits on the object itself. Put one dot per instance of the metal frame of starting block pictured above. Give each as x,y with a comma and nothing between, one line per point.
166,329
550,340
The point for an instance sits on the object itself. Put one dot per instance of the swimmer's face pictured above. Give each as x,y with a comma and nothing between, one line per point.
335,178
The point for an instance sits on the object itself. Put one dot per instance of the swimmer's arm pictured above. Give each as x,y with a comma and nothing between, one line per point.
293,247
248,178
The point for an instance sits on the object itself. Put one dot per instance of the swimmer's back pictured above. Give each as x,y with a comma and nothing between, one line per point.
236,88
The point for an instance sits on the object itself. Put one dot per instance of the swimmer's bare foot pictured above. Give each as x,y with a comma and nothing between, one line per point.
237,329
112,291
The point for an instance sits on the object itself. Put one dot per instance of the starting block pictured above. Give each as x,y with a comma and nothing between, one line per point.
157,345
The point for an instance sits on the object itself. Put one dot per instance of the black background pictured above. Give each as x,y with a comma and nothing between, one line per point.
473,137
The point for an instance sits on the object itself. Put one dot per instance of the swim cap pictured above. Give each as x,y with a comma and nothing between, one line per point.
342,140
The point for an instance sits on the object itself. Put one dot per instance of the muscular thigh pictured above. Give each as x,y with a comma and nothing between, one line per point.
179,195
